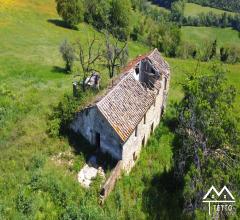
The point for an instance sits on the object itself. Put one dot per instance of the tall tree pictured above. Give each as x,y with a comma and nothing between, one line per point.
214,49
208,151
115,55
120,13
166,37
71,11
97,13
88,56
68,55
177,11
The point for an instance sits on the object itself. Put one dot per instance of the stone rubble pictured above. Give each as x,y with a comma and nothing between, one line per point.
87,174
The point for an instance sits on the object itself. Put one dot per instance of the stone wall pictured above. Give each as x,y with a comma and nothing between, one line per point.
132,147
89,122
111,181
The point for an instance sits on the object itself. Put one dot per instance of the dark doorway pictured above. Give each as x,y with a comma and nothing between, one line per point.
152,127
162,111
165,83
134,156
98,140
143,141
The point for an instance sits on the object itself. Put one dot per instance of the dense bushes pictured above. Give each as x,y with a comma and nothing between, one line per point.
119,18
97,13
62,115
71,11
24,202
211,19
208,137
177,11
49,193
187,50
162,34
209,50
230,54
111,15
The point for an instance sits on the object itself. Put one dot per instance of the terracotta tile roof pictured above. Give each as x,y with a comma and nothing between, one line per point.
159,63
127,100
155,58
125,106
134,62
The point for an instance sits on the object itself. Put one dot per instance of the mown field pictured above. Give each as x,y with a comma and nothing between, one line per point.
32,184
192,9
199,35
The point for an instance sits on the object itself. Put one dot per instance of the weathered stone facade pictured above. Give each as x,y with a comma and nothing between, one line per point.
132,148
90,122
121,122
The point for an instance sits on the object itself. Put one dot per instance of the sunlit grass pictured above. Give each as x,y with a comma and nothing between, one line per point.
31,83
192,9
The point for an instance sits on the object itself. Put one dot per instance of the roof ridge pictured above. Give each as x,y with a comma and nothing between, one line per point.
114,87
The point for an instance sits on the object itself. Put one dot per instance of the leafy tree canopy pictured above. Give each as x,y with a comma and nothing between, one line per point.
208,151
97,13
71,11
120,18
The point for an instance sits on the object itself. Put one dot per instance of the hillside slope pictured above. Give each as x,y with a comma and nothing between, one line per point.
34,182
192,9
229,5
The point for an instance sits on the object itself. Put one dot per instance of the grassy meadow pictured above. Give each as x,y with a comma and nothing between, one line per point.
192,9
32,81
199,35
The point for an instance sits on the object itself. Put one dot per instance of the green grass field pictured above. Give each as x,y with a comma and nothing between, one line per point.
192,9
31,83
199,35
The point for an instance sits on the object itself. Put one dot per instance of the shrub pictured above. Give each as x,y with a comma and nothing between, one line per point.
71,212
230,54
68,55
63,115
54,127
37,162
186,50
208,51
24,203
135,33
234,55
71,11
224,53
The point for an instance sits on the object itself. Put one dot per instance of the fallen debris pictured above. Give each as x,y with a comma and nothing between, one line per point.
87,174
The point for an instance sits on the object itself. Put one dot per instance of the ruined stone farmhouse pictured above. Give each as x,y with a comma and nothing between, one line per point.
120,122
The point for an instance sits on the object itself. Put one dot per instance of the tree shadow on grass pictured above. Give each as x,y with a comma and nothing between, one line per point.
63,24
58,69
82,146
163,198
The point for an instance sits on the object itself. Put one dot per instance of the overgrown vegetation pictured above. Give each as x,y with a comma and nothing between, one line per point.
211,19
38,177
208,136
